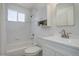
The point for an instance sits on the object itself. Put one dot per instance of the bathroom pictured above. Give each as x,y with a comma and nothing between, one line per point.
34,27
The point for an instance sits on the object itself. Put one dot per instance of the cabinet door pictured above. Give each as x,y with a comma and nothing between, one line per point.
70,16
51,10
61,17
64,16
59,54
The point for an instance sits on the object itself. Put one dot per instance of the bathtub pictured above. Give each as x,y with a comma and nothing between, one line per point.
17,49
16,52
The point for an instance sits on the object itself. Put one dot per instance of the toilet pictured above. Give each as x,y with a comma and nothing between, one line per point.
33,51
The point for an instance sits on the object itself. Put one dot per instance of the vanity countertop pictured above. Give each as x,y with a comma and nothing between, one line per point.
65,41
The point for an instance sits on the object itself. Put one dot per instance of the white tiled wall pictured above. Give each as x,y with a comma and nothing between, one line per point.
18,33
39,14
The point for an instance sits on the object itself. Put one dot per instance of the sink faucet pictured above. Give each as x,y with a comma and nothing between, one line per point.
65,34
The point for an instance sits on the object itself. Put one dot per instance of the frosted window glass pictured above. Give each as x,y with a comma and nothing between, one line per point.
21,17
12,15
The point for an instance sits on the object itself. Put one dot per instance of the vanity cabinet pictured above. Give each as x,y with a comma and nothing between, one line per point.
60,14
52,48
48,48
49,51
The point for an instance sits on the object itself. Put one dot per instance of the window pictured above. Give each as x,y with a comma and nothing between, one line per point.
15,16
12,15
21,17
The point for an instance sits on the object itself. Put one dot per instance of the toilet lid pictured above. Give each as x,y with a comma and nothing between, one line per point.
32,49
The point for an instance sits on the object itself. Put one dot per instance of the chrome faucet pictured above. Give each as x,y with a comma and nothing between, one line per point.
64,34
67,35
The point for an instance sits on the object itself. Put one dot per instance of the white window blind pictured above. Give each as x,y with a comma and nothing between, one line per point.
21,17
14,15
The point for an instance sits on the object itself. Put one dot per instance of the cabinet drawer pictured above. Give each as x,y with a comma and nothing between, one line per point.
48,51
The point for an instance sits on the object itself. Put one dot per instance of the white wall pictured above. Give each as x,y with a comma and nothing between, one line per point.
3,30
39,14
0,29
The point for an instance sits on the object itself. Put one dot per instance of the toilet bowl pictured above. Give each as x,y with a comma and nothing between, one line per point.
32,51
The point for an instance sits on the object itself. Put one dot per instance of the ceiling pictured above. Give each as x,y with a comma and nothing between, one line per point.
30,5
27,5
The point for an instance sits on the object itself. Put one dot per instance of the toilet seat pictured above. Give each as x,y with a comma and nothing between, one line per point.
32,50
